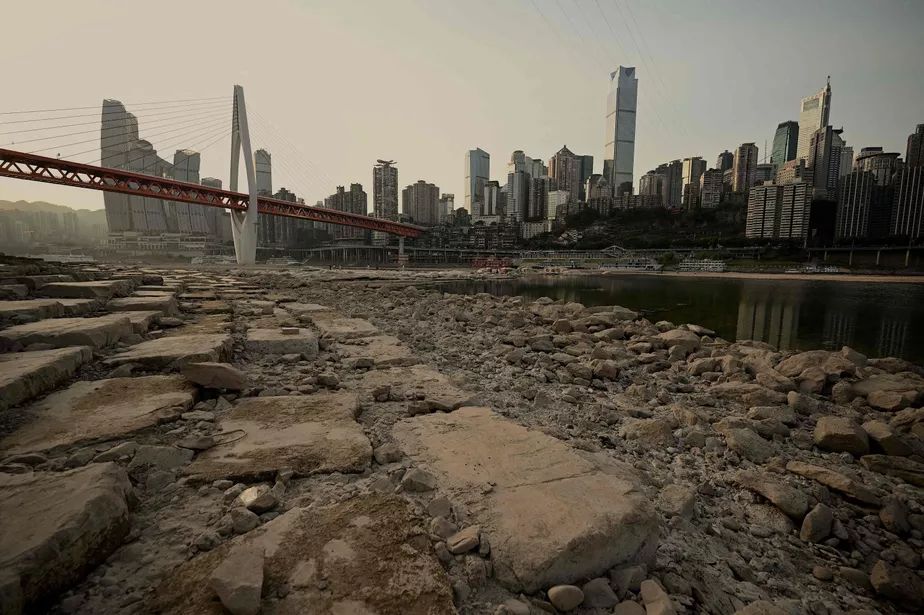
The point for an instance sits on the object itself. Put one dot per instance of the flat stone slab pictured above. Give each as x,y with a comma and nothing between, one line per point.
38,309
382,350
209,323
57,526
303,311
35,281
97,332
310,434
161,303
415,382
363,551
338,327
79,307
143,321
276,341
552,516
24,375
97,289
174,352
212,307
97,410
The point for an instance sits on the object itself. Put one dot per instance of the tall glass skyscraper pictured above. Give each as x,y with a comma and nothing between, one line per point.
477,172
814,115
621,102
785,142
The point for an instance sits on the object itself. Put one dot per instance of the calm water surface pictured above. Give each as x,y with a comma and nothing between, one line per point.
876,319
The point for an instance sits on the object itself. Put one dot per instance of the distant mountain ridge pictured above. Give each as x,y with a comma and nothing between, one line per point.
44,206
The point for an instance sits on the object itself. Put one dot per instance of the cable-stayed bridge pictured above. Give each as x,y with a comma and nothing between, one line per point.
141,179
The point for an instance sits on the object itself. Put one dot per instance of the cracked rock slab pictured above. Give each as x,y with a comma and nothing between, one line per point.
364,552
59,526
338,327
176,351
415,382
308,433
552,516
97,332
97,289
24,375
157,303
96,410
381,350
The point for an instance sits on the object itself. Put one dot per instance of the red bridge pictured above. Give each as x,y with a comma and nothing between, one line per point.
32,167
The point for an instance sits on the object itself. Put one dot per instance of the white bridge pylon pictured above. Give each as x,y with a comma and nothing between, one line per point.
243,223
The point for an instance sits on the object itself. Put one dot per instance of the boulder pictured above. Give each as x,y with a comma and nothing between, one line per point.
656,600
791,501
884,437
840,435
215,375
850,487
897,583
904,468
749,445
817,524
683,338
566,597
238,580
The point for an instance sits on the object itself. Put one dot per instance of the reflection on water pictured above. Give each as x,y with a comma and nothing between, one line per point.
877,319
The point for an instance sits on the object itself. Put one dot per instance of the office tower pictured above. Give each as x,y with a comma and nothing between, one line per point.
652,184
725,161
521,162
882,164
673,183
691,172
188,217
763,204
266,224
477,172
448,204
814,115
587,170
518,184
539,188
908,207
793,170
846,162
785,141
215,217
914,155
710,188
763,172
825,160
555,201
420,202
619,153
385,190
354,201
565,169
744,167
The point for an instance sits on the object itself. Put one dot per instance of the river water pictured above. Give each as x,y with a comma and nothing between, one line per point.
883,319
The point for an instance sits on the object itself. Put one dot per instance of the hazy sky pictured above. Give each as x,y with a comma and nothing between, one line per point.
345,82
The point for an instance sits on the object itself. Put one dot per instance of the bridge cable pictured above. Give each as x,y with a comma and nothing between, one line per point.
103,118
97,106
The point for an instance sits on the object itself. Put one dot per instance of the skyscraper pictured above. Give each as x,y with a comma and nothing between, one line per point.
420,202
785,142
263,170
447,205
814,115
692,172
710,189
908,210
745,167
565,169
824,158
477,172
353,201
385,190
725,161
914,156
188,217
621,102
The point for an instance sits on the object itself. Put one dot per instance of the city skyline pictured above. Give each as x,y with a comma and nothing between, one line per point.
679,117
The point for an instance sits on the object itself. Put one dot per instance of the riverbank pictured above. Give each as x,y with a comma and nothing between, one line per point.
299,442
811,277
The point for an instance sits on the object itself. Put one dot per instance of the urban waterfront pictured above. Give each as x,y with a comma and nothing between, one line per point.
876,319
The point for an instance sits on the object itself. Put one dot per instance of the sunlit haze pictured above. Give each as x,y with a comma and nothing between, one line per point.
421,82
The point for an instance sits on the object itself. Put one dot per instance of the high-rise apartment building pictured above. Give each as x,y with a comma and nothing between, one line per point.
795,209
673,183
853,205
555,201
745,167
882,164
908,208
763,204
785,142
652,184
539,188
792,171
763,172
385,190
518,185
814,115
477,172
266,224
710,188
519,161
421,201
587,169
354,201
621,102
691,173
914,155
492,190
725,161
566,170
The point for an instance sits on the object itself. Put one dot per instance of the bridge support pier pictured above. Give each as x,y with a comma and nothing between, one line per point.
243,224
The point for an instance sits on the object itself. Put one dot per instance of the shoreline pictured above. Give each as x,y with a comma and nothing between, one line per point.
811,277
